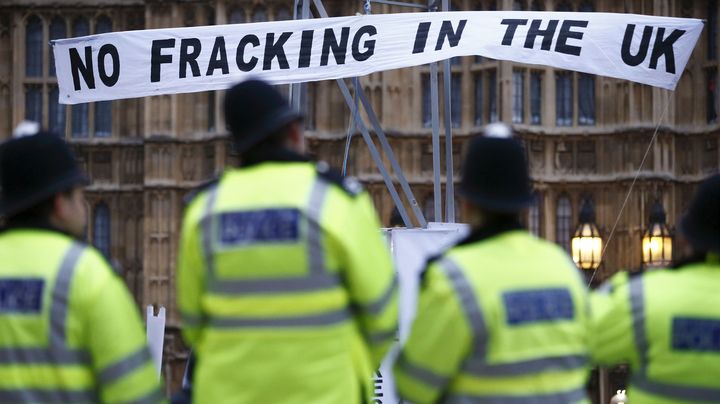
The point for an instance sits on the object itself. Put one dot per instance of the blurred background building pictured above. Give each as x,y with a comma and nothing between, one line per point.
585,135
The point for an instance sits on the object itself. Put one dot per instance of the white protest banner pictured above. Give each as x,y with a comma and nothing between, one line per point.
645,49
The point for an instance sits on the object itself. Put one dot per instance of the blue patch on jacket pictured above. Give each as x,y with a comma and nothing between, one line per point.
21,295
259,226
531,306
696,334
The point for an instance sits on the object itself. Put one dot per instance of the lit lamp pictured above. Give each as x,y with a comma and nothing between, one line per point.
586,242
657,240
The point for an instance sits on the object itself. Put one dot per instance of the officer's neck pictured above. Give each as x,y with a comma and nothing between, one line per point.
34,223
272,154
485,226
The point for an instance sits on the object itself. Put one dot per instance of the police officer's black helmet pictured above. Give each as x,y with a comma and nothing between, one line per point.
255,110
33,168
701,224
495,172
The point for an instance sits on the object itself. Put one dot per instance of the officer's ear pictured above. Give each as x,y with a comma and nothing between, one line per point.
471,214
295,136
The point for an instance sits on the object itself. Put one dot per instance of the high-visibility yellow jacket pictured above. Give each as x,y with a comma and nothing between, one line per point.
286,287
666,325
69,330
501,320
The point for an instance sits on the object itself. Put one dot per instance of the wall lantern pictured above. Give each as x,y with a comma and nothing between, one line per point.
657,241
586,243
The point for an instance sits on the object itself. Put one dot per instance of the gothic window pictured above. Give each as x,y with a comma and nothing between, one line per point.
492,96
80,112
426,101
564,98
101,228
586,99
33,103
259,14
103,109
456,100
479,99
711,95
712,29
535,215
563,224
56,113
34,47
518,96
536,98
58,30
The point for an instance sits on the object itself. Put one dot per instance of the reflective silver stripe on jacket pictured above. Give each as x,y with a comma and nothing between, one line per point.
207,230
57,352
637,310
640,379
680,393
379,305
125,366
61,296
422,374
476,364
520,368
567,397
153,397
471,307
35,395
318,276
302,320
40,356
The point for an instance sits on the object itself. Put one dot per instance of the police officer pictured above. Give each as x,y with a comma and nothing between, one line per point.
666,323
286,288
69,330
502,316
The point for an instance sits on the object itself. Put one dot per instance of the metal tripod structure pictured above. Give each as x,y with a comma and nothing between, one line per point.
298,95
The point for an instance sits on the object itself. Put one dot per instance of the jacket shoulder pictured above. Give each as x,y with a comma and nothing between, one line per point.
350,185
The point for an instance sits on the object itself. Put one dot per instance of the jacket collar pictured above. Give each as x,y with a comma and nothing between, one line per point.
491,230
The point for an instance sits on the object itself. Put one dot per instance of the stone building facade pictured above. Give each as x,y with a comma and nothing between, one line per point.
585,135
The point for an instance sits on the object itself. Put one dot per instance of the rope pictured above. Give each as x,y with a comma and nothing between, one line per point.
632,185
